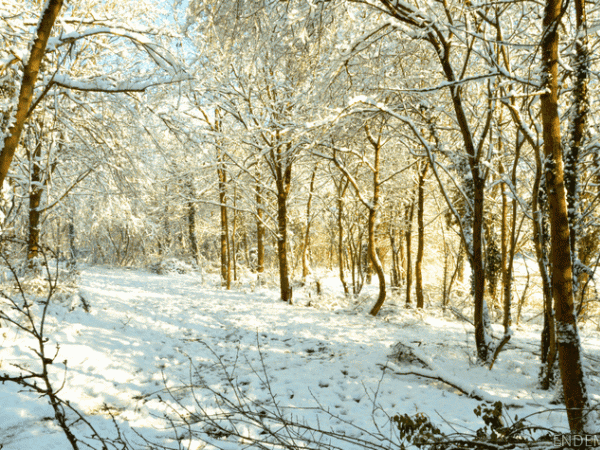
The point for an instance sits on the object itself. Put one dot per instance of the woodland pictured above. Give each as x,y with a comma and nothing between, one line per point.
417,151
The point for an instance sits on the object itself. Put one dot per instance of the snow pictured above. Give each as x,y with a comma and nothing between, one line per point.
149,337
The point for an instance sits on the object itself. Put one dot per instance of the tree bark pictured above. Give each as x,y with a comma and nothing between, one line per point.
580,109
36,190
569,350
548,338
224,238
340,211
191,219
421,236
306,243
30,74
373,211
283,180
410,210
260,234
506,280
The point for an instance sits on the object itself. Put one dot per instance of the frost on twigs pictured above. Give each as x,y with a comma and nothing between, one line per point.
36,276
228,416
26,308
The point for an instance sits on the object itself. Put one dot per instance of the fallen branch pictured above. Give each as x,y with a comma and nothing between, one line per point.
434,374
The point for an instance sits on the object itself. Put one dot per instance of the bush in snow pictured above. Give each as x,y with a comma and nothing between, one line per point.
171,265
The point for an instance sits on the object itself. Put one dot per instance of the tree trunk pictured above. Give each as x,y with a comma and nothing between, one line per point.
233,246
283,179
569,350
548,338
37,184
481,319
373,211
306,243
224,239
340,211
282,244
579,114
36,191
260,235
410,209
421,236
191,219
506,283
30,74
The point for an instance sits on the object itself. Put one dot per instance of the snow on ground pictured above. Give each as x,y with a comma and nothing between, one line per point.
149,337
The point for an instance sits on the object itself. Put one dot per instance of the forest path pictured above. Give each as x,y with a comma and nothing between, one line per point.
155,343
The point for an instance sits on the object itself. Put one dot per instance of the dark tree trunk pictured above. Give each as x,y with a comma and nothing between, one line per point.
373,211
306,243
260,234
282,169
36,191
421,235
506,279
480,319
410,210
548,338
191,219
340,214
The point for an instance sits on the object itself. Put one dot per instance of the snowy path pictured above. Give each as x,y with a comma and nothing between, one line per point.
145,328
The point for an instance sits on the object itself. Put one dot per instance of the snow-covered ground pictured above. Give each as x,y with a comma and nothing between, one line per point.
149,338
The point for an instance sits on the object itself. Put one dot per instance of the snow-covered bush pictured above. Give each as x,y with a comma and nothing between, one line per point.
171,265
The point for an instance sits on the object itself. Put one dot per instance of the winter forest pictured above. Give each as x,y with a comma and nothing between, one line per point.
299,224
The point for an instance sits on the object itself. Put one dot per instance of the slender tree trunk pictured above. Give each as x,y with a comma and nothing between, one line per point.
373,211
30,74
580,109
477,180
421,236
410,209
282,245
340,214
191,219
306,243
480,320
234,244
548,338
36,191
506,284
396,247
283,179
569,350
224,240
260,234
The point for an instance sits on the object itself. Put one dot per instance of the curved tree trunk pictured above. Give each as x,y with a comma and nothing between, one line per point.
30,74
373,256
